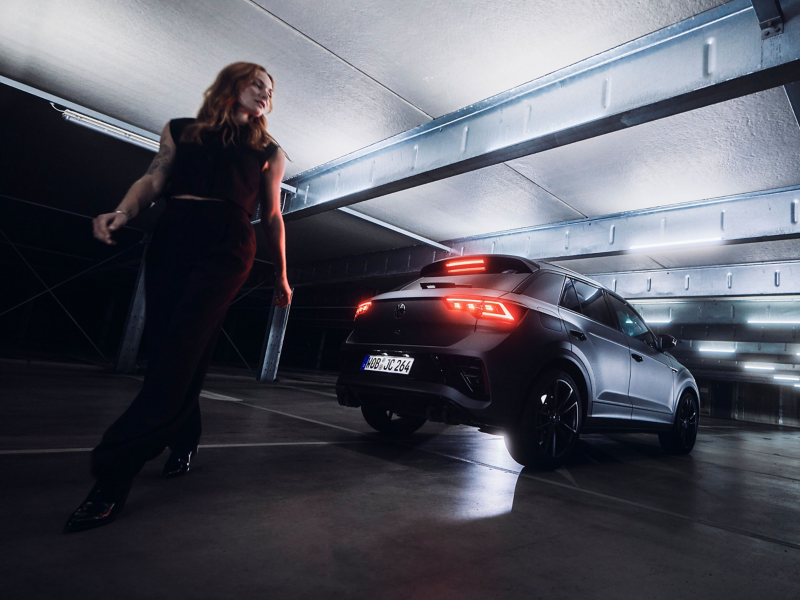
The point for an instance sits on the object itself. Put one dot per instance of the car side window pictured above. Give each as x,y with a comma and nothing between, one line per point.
630,323
569,299
593,303
546,287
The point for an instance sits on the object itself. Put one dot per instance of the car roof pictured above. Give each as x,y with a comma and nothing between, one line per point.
571,273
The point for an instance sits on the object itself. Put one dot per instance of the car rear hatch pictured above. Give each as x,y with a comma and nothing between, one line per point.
418,315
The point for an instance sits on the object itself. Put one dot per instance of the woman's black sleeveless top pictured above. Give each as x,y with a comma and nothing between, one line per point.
212,170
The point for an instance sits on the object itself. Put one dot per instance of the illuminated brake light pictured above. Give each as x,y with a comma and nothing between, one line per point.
362,308
462,263
473,265
490,309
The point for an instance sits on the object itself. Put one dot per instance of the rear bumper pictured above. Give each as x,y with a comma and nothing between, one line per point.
442,386
435,402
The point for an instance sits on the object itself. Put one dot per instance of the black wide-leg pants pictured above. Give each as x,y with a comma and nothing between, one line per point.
200,255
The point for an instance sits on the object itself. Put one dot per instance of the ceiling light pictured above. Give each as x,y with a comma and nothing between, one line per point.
112,130
687,242
786,378
773,321
709,349
658,320
760,367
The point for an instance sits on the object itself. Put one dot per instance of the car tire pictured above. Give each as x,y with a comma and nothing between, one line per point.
681,438
551,423
388,422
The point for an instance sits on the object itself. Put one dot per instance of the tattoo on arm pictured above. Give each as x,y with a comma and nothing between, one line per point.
161,163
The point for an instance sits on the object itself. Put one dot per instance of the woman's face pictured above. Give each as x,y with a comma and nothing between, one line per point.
255,99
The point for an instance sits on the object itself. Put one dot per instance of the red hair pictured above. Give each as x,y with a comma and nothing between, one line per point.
219,108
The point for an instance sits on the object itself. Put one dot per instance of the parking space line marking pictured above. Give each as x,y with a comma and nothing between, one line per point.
210,446
215,396
285,414
44,451
271,444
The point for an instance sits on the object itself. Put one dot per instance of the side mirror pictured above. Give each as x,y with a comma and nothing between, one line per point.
667,342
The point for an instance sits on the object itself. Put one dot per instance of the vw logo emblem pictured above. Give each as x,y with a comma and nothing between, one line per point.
399,311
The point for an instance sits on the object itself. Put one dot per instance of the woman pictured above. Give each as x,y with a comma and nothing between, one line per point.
212,170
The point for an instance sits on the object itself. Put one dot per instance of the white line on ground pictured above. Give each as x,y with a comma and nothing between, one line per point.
271,444
43,451
285,414
215,396
210,446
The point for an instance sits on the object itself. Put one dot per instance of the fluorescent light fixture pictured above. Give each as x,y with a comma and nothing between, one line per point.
112,130
658,320
711,349
686,243
786,378
773,321
797,385
760,367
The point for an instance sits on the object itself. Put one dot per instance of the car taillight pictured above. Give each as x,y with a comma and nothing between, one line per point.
362,308
484,308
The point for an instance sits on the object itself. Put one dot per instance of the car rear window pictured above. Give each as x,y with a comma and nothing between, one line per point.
546,287
504,282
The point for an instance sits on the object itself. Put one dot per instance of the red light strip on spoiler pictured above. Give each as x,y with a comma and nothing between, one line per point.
491,309
461,263
473,265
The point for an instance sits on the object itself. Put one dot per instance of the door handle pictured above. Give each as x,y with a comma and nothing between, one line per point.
577,334
636,357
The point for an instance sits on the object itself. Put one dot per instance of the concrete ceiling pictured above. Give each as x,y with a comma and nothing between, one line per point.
351,74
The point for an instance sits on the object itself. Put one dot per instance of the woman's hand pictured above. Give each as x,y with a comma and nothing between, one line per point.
105,225
283,293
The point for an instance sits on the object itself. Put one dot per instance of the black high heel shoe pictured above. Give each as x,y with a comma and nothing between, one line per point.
177,464
101,506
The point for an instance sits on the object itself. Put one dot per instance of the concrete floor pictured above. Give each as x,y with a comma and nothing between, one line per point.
292,496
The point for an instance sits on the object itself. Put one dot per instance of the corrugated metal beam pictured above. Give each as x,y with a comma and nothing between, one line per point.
763,216
777,278
712,57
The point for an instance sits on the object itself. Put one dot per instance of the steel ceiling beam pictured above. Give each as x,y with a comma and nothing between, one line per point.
778,278
762,216
712,57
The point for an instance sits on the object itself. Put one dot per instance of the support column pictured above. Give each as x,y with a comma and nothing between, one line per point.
321,351
273,342
134,324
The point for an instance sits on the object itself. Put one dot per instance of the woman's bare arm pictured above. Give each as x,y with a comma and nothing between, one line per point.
141,194
272,224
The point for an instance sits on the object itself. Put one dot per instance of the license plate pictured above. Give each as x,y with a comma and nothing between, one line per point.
399,365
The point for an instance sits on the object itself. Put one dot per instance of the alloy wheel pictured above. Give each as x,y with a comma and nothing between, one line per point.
558,419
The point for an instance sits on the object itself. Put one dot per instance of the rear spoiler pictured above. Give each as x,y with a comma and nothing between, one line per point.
478,265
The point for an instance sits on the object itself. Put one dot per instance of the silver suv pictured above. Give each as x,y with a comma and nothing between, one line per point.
529,349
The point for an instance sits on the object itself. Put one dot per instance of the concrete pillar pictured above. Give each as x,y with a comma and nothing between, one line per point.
273,342
321,349
134,324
